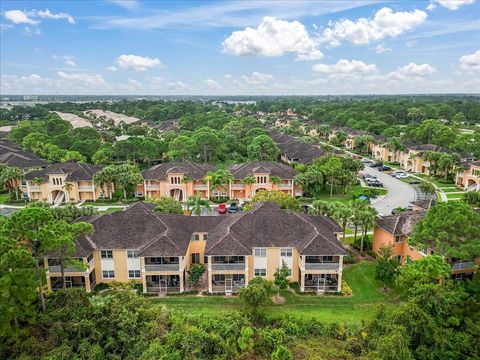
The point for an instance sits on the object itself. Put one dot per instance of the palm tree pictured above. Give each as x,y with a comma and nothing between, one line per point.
218,179
324,208
9,177
275,180
342,213
356,218
195,204
186,179
396,146
368,217
249,180
105,178
37,181
67,186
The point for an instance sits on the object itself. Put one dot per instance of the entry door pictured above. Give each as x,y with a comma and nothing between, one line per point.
195,258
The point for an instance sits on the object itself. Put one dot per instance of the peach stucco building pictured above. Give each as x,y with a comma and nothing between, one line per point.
181,180
64,182
157,249
468,178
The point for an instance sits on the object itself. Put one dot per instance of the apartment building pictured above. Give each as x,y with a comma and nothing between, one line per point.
394,231
468,177
293,150
14,156
181,180
157,250
64,182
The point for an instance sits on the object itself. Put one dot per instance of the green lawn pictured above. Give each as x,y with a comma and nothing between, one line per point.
338,196
451,189
100,203
454,196
4,198
329,308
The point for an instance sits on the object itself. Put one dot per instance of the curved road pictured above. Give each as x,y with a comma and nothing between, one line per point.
399,194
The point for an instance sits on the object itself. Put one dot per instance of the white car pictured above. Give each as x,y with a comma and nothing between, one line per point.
401,175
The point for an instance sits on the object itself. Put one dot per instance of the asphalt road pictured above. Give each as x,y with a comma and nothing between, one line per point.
399,194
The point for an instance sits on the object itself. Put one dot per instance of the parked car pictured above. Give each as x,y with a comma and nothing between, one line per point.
233,208
402,176
365,160
222,209
374,183
384,168
414,182
376,164
305,208
369,176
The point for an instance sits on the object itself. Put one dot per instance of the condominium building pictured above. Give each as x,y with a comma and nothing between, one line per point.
157,250
468,177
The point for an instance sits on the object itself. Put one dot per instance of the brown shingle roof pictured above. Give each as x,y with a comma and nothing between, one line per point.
193,171
241,171
401,224
74,171
15,156
269,226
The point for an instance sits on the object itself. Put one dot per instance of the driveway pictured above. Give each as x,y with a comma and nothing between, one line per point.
399,194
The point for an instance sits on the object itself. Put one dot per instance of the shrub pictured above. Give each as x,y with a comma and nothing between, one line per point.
195,273
100,287
346,290
281,276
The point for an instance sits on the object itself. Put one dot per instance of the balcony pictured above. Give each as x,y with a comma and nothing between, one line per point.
200,187
228,266
35,189
322,266
56,269
285,186
152,187
86,188
162,267
237,186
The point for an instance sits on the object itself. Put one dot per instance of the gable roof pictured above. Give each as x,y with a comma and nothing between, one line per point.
241,171
401,224
267,225
74,171
295,149
192,170
15,156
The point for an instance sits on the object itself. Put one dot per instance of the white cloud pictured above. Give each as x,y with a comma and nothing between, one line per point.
410,43
111,68
273,37
413,69
127,4
257,78
137,63
70,63
156,80
130,85
177,86
381,48
449,4
83,79
30,32
46,14
19,17
386,23
471,61
346,67
212,84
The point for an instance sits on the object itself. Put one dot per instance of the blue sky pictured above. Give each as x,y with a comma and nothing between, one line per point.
240,47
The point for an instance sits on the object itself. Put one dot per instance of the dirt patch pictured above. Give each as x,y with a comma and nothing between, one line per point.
278,300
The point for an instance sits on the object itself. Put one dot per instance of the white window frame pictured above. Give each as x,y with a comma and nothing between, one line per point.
110,274
260,252
106,254
286,252
132,254
135,272
259,272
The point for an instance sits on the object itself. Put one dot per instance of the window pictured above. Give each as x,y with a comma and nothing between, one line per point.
23,182
205,237
175,180
399,258
134,274
286,252
108,274
398,238
260,272
139,194
260,252
106,254
327,259
195,237
131,254
89,258
218,278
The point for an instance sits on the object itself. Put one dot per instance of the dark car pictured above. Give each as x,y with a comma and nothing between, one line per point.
374,183
369,177
376,164
305,208
233,208
384,168
414,182
222,209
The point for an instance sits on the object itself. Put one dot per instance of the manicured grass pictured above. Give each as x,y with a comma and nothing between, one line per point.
100,203
328,308
4,198
451,189
338,196
454,196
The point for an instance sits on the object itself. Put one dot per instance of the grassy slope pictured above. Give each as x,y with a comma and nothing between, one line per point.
4,198
358,307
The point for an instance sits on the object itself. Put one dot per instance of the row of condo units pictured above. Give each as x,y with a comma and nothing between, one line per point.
158,249
394,231
73,182
411,159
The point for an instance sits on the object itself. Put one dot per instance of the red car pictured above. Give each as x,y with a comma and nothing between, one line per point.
222,209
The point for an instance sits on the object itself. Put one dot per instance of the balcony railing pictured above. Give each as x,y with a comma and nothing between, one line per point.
86,188
321,288
464,265
162,267
227,266
237,186
56,269
285,186
322,266
228,288
200,187
35,188
152,186
155,289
